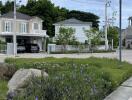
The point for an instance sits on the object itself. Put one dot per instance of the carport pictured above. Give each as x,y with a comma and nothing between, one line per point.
24,39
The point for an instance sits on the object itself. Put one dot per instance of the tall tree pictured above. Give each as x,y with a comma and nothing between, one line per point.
1,5
9,6
65,36
85,16
93,37
113,34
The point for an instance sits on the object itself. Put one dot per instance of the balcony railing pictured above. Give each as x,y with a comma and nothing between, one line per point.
32,32
43,32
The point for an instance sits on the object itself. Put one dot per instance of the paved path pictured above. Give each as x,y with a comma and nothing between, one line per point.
124,92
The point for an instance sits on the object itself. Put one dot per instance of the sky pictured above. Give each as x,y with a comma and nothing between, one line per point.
97,7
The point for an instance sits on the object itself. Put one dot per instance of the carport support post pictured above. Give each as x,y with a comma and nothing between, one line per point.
14,35
120,25
44,44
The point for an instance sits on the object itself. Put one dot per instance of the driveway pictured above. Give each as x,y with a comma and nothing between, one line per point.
126,55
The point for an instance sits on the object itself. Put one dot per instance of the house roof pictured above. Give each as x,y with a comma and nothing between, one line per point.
18,16
72,21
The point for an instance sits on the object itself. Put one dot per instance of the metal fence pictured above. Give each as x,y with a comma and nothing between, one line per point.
53,48
67,48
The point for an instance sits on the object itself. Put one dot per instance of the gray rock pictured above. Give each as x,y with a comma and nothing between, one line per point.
21,78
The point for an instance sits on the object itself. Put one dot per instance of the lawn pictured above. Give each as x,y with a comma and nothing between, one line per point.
117,72
3,89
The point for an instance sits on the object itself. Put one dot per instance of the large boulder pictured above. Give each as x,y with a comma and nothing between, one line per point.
22,78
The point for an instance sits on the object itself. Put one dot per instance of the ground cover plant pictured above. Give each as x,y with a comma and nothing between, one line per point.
73,79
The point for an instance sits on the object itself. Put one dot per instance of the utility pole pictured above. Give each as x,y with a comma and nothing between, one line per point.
106,25
120,25
14,35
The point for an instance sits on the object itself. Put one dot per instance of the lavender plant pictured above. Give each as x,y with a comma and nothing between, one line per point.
68,81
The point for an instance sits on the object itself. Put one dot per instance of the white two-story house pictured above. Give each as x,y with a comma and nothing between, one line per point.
78,25
28,29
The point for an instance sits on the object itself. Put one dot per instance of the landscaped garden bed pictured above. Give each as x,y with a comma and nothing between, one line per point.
73,79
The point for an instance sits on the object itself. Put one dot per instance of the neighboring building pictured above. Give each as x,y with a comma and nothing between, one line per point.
78,25
127,35
28,29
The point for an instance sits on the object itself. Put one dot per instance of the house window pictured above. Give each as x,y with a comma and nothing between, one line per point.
7,26
23,27
36,26
9,40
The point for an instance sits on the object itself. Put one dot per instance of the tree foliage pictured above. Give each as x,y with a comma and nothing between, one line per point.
84,16
113,34
7,7
93,36
65,36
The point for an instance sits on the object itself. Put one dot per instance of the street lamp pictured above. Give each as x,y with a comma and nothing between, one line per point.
14,35
120,30
106,25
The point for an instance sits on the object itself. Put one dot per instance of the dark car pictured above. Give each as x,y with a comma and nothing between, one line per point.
32,48
21,48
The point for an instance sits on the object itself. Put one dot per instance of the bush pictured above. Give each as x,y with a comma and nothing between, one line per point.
76,82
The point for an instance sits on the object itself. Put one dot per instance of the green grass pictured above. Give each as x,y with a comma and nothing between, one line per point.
3,89
118,72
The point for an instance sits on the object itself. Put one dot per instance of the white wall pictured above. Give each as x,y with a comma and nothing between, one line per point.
79,32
